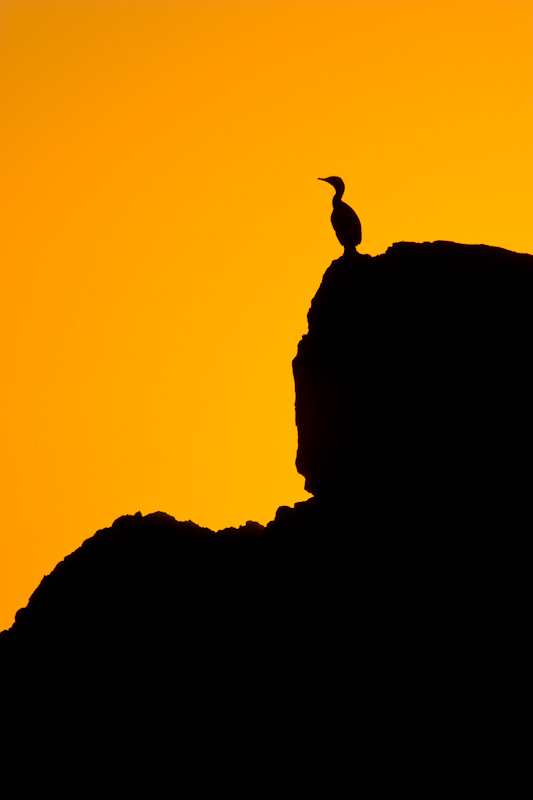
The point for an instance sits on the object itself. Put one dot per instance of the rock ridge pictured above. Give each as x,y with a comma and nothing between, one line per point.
394,599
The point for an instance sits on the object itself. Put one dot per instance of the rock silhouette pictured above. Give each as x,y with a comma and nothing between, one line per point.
415,379
377,611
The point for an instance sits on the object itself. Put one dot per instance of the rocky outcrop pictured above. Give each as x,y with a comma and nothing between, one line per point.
413,384
364,620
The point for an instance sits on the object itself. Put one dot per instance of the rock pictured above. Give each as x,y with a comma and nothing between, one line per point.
413,384
374,618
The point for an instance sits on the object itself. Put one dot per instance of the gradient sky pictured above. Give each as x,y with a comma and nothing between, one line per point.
163,230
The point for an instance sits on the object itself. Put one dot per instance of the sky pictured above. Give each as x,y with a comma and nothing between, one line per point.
162,231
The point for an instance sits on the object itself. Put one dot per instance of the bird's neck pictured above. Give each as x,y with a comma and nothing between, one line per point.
337,197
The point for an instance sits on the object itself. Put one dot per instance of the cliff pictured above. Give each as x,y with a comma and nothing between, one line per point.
390,600
413,384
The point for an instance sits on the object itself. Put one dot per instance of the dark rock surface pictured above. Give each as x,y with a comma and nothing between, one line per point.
413,385
386,609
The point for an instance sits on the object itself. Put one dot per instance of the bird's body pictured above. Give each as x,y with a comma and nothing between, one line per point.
345,221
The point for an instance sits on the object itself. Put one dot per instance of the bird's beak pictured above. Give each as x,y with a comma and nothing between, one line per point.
322,179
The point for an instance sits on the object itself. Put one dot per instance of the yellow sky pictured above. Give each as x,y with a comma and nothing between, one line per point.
162,231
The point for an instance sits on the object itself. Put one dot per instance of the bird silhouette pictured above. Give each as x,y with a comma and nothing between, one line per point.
345,221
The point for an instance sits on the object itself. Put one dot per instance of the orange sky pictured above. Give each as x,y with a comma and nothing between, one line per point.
163,231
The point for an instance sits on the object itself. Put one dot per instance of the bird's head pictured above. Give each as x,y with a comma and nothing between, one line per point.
337,183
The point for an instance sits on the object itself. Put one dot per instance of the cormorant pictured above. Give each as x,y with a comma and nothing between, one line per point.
344,219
